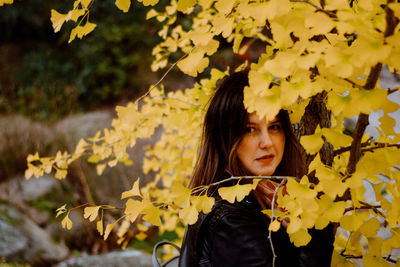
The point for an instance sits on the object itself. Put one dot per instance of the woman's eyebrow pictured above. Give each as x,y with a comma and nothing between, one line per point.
276,121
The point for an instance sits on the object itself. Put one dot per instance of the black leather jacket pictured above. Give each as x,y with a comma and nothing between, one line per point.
237,235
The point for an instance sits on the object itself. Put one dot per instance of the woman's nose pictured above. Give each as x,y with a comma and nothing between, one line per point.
265,139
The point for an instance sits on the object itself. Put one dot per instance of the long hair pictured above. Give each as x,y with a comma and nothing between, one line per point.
223,129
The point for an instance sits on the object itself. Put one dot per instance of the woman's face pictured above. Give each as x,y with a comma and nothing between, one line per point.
261,148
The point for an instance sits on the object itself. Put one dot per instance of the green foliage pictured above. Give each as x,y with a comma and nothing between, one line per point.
48,79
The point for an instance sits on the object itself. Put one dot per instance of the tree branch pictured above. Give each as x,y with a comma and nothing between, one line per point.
355,148
330,14
360,257
377,145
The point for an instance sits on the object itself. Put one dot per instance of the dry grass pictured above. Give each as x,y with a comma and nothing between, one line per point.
20,136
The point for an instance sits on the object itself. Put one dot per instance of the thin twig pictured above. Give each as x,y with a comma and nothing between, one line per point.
165,74
353,83
360,257
391,91
272,219
242,177
330,14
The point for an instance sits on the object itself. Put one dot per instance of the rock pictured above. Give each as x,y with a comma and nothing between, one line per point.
20,136
21,240
128,258
19,188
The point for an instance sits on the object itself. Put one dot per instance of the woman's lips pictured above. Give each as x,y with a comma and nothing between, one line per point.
265,158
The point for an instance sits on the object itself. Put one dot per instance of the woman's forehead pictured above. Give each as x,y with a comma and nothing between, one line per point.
254,118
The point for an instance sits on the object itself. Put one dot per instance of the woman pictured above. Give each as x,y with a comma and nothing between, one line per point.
236,143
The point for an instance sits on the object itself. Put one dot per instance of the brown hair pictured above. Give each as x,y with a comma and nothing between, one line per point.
225,125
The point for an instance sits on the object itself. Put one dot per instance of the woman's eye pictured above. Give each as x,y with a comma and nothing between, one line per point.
275,127
250,129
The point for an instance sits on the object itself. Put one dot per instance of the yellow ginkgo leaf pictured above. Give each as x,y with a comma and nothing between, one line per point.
124,5
152,214
370,227
180,194
294,225
133,192
312,143
149,2
57,20
80,31
85,3
91,213
336,138
354,221
274,226
204,203
109,229
74,14
300,238
2,2
134,208
189,214
184,5
238,192
61,210
81,147
99,227
34,157
194,63
60,174
66,222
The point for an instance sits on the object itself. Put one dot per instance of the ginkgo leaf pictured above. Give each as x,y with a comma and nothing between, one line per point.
183,5
91,213
189,214
336,138
81,146
74,14
181,195
134,208
194,63
274,226
2,2
224,6
80,31
312,143
149,2
123,4
108,230
300,238
237,192
294,225
66,222
85,3
370,227
354,221
133,192
204,203
61,210
152,215
57,20
99,226
33,157
60,174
